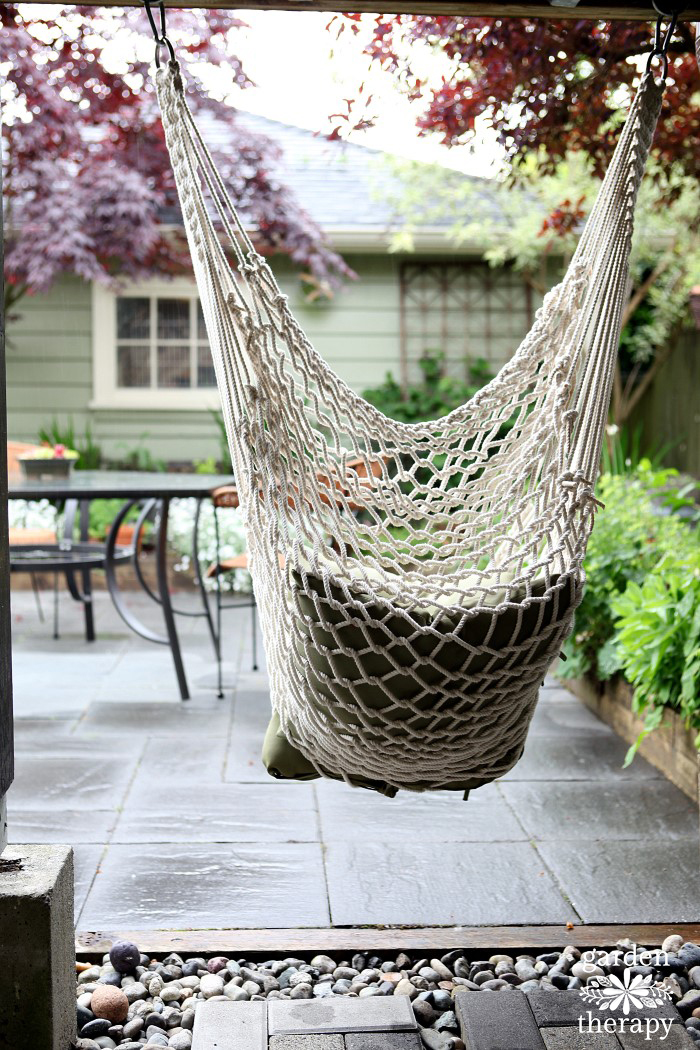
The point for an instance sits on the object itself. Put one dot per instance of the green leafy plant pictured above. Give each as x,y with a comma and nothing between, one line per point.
89,452
639,614
624,449
224,464
436,393
657,643
138,457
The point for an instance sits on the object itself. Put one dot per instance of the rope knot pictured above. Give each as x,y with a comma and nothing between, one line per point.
583,488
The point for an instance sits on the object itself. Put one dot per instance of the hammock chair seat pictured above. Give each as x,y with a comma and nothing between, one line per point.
415,581
367,656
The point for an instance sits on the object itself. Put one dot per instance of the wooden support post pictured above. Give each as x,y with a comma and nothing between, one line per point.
6,737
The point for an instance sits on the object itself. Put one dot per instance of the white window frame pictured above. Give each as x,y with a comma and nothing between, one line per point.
106,393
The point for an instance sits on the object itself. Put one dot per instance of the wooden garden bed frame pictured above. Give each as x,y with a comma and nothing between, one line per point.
484,940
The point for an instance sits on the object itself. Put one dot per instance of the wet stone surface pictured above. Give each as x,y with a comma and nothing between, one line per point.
176,824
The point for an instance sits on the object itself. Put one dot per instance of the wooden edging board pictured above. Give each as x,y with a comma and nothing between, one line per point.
433,939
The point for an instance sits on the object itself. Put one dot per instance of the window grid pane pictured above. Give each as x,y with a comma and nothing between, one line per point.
133,366
206,376
162,344
174,319
133,318
173,366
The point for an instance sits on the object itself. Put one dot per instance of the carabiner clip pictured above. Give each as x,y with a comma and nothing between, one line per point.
159,34
662,39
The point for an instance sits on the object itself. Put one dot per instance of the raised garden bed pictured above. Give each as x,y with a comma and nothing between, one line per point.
670,748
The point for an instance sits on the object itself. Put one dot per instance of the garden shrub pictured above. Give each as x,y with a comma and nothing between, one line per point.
640,613
436,394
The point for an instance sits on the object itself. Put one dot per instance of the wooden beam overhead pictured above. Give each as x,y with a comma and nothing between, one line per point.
612,10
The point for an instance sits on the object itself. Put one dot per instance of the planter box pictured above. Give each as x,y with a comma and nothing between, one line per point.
670,748
47,469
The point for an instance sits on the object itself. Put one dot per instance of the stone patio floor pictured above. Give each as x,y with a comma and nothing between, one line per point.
176,824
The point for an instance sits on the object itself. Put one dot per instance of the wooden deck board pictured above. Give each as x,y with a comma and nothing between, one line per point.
383,940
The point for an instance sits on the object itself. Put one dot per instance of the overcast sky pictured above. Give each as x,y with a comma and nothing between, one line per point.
303,74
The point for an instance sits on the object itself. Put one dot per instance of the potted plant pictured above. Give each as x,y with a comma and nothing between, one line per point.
48,462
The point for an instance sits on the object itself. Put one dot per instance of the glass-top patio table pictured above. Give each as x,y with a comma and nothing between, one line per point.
152,494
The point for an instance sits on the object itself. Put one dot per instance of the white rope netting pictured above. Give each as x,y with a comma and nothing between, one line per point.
415,581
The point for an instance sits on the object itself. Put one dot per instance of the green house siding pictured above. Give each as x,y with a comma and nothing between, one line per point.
49,359
50,365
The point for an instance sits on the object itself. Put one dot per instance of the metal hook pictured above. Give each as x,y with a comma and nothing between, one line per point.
159,34
662,40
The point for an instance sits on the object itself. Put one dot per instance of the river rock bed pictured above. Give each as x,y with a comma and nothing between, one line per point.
133,1001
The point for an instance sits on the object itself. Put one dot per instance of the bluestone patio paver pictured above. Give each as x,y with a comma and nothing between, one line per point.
596,756
647,810
444,883
75,776
203,761
246,885
250,715
73,826
176,823
635,882
560,714
200,716
437,816
86,863
260,813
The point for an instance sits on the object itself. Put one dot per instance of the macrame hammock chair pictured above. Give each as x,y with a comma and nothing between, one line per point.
415,580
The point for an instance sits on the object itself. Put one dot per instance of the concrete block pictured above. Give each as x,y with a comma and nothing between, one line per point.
306,1042
559,1009
230,1026
37,948
338,1014
383,1041
677,1039
497,1021
571,1039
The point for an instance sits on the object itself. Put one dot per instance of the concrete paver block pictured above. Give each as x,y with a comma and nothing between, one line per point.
306,1042
338,1014
497,1021
571,1039
37,950
677,1039
564,1008
383,1041
230,1026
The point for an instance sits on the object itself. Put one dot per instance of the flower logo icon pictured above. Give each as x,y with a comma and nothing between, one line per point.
630,993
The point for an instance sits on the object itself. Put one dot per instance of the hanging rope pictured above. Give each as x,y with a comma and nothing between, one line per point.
416,580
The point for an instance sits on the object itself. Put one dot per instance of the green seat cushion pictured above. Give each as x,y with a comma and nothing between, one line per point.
345,643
